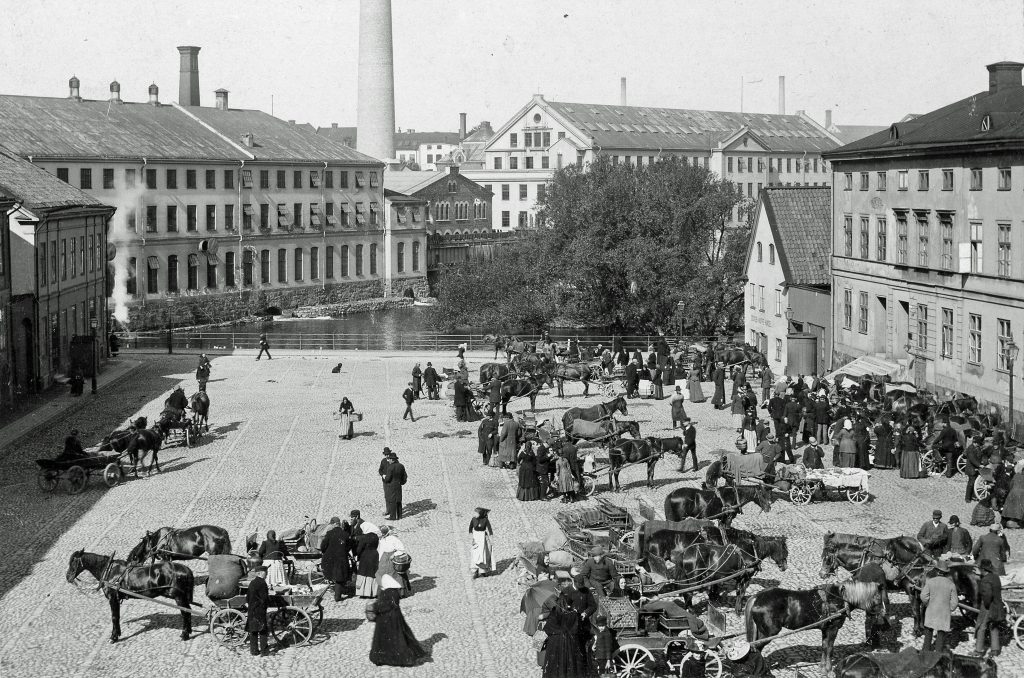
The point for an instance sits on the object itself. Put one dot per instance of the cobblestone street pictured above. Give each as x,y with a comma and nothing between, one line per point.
273,456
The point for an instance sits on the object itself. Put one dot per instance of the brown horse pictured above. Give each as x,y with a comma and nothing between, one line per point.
160,579
850,551
200,405
525,387
490,370
722,504
594,412
705,562
146,440
575,372
626,451
168,543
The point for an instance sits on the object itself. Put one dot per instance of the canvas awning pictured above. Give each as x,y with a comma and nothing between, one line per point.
153,262
193,259
212,259
360,179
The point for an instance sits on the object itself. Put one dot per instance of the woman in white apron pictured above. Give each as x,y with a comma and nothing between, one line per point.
346,415
480,558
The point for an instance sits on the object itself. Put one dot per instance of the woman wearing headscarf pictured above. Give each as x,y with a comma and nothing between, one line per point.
393,641
480,557
335,547
367,560
847,446
528,489
346,410
563,656
273,552
388,548
693,385
417,381
910,459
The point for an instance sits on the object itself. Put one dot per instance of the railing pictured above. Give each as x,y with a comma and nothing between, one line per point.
220,339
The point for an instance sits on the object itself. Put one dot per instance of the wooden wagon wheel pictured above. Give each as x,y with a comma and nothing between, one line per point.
291,626
961,464
801,493
981,488
1018,631
857,495
228,626
630,659
712,664
112,475
47,479
588,487
316,615
933,462
77,479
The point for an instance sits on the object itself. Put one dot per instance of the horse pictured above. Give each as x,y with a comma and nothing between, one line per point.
525,386
160,579
575,372
594,412
947,665
490,370
849,551
769,611
690,502
664,541
146,440
200,405
706,562
605,430
117,441
626,451
185,544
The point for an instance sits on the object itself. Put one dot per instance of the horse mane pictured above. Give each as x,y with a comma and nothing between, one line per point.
859,594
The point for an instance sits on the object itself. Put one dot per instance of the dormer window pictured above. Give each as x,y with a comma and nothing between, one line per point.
894,132
986,123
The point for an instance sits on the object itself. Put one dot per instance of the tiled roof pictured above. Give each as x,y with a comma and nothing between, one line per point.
801,221
36,188
343,135
409,182
410,141
850,133
627,127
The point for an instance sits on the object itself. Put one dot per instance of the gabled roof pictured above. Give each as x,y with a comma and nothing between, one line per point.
413,182
410,141
644,127
37,189
343,135
800,219
847,134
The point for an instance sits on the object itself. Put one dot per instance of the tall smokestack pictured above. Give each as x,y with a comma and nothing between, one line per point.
462,126
828,118
188,78
622,95
782,95
375,113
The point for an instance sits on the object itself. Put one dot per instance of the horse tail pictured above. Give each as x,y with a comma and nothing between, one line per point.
748,619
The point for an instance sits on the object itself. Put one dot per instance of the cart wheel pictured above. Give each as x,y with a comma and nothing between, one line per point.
712,664
961,464
77,479
628,539
856,495
1018,631
47,480
112,475
589,486
228,627
630,659
800,494
317,616
933,462
291,626
981,488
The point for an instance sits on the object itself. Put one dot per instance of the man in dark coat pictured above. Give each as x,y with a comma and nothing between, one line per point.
718,400
975,461
461,402
791,418
777,411
487,436
991,612
992,546
698,364
934,534
656,378
821,417
585,604
335,547
739,379
632,379
494,392
394,478
408,395
947,444
264,348
689,446
203,372
177,401
73,446
257,599
571,455
430,378
382,470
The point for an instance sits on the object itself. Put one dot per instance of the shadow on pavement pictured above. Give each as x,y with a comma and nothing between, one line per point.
421,584
417,507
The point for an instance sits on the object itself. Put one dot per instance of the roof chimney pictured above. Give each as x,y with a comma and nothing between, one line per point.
334,125
782,95
154,94
248,140
73,88
188,78
462,126
622,94
115,92
828,118
222,99
1004,75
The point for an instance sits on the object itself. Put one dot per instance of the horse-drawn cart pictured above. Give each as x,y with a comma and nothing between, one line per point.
77,471
294,618
810,483
665,632
184,433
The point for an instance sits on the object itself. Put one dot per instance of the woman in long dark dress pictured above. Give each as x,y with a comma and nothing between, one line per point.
910,460
563,656
862,439
393,641
884,457
346,411
528,489
544,466
693,384
367,561
335,547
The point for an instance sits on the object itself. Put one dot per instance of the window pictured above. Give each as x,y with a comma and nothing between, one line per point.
522,219
229,184
152,271
848,236
847,309
401,257
729,161
172,273
190,179
527,139
265,266
522,191
264,215
771,253
344,261
862,313
974,340
151,218
504,191
211,217
976,251
753,296
865,237
778,303
1005,260
151,179
947,180
314,214
211,272
191,218
882,179
513,163
760,298
62,174
864,181
946,345
789,165
505,220
281,182
513,140
171,177
881,239
297,216
172,218
129,178
759,253
922,327
976,179
359,260
1004,179
1003,338
760,164
229,269
264,179
415,255
85,178
778,349
93,247
529,162
375,213
108,178
922,238
923,180
193,272
902,180
314,263
342,179
133,283
297,273
297,179
740,165
247,215
497,163
314,179
545,162
329,262
74,257
373,259
211,179
282,265
541,194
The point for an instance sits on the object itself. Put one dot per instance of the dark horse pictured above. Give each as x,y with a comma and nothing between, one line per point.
575,372
769,611
146,440
605,431
702,563
850,551
490,370
723,504
931,665
528,386
117,441
911,578
185,544
626,451
169,580
594,412
200,405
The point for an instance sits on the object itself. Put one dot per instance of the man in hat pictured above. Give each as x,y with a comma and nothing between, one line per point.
73,446
409,395
947,444
676,407
992,546
604,645
585,604
203,371
257,598
959,542
264,347
813,455
382,468
689,445
599,573
934,534
767,381
991,613
769,450
355,520
394,478
747,660
777,411
718,399
430,379
975,461
940,600
822,415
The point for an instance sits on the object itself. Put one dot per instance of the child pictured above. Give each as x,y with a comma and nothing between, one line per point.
604,646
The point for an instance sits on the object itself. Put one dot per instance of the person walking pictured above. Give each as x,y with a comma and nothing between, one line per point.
394,478
767,381
494,393
460,400
346,415
408,395
480,557
335,547
777,412
487,436
689,446
203,372
939,597
508,442
367,562
993,547
431,379
527,469
694,387
718,399
264,348
257,599
417,381
991,614
934,534
676,405
563,656
393,641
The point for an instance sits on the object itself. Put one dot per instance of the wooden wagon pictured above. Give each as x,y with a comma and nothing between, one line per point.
850,482
77,471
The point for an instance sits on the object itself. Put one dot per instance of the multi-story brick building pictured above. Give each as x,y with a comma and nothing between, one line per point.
455,204
925,224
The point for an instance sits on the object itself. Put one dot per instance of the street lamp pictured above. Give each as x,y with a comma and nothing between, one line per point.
1012,350
789,317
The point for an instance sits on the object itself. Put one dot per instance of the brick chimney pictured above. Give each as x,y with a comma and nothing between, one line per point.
462,126
115,92
1004,75
222,99
154,94
188,78
73,88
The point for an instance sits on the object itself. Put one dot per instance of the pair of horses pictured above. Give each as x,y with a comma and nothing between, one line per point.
140,442
161,578
638,450
722,504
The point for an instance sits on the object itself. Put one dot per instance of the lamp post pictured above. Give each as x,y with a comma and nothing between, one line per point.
1012,350
789,317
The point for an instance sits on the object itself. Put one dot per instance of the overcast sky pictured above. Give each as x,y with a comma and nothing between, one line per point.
871,61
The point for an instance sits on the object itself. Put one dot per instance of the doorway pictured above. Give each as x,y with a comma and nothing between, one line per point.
902,334
29,379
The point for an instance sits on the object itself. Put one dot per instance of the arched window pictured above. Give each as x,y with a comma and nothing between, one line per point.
297,275
265,266
760,256
193,271
172,272
247,267
373,259
416,255
344,261
359,259
401,257
771,254
229,269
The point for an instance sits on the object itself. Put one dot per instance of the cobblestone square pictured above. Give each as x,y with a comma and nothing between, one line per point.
273,456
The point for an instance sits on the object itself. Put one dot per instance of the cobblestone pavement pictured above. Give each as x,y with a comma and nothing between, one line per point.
273,456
